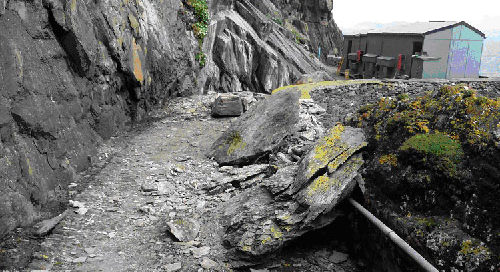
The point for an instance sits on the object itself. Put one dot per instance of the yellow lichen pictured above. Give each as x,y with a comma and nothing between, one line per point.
276,232
137,62
306,89
266,239
30,170
339,160
19,62
73,6
321,183
471,248
390,159
326,150
246,248
134,23
120,41
235,142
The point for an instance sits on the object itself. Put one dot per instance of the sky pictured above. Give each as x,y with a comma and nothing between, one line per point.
482,14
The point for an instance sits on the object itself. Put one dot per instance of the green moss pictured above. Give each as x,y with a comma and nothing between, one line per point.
439,149
437,144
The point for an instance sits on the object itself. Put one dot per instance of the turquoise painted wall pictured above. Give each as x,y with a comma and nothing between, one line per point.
465,53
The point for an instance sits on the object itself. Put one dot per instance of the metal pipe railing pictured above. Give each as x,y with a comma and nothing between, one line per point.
424,264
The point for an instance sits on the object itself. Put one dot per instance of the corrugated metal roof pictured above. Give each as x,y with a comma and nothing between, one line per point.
416,28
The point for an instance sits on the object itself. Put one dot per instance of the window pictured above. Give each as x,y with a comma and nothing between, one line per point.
349,46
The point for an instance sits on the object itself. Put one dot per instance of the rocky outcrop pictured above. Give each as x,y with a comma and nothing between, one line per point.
433,173
296,199
253,46
74,73
255,134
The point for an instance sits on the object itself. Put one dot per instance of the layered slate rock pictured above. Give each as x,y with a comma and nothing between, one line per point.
258,47
296,199
74,73
259,131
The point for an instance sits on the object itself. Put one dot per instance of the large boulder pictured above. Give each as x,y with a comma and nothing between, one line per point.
296,199
227,105
259,131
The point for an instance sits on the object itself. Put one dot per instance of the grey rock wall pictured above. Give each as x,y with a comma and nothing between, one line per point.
72,74
251,46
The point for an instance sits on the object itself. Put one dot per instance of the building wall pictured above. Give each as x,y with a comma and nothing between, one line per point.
392,46
437,45
465,53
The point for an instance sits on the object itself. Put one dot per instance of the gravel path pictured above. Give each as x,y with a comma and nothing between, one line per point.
152,177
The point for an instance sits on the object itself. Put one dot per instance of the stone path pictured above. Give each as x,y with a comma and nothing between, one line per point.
154,177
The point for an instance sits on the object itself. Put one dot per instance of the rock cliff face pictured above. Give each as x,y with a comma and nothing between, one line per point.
75,72
261,45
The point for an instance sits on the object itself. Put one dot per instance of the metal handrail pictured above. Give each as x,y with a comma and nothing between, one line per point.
424,264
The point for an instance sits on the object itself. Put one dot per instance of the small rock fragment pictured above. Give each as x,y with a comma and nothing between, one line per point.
80,260
200,252
147,188
338,257
184,229
208,263
44,227
173,267
81,207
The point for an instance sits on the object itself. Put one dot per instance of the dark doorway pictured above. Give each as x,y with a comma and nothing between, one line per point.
417,48
349,46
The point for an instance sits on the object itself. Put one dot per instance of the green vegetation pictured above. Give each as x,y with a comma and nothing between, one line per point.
436,144
200,9
278,21
299,39
201,58
470,118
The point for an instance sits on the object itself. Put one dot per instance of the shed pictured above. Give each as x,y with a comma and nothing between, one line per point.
437,49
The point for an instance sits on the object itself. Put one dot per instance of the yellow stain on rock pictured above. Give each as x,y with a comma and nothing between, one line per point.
19,58
134,23
137,61
326,150
73,5
30,170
